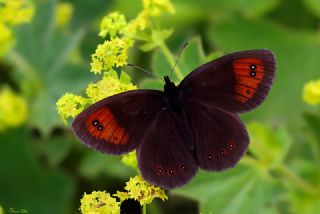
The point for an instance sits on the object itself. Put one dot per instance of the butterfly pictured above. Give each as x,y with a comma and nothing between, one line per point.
185,127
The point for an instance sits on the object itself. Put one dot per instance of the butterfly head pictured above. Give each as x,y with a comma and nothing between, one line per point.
169,86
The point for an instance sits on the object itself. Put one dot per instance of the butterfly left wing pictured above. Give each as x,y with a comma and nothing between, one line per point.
117,124
164,156
220,138
237,82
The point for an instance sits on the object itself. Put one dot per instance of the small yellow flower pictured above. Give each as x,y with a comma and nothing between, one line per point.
111,53
6,39
130,160
311,92
64,13
156,7
122,196
137,24
108,86
70,105
99,202
16,11
144,192
13,109
112,24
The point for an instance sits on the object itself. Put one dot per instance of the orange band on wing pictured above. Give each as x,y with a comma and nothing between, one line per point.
101,124
249,72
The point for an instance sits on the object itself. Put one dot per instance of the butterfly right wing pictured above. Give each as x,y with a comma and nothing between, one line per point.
220,137
117,124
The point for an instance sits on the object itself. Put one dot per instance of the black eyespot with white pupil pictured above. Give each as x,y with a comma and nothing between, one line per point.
159,170
253,68
183,167
171,171
95,122
100,128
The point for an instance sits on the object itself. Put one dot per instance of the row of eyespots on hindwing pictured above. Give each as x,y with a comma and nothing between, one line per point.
171,171
102,125
249,73
223,151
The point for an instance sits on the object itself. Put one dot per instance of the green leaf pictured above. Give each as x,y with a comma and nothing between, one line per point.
25,184
43,67
233,191
155,39
313,122
55,149
313,6
125,78
269,145
191,57
151,84
94,164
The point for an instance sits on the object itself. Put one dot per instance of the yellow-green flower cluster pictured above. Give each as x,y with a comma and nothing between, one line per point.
156,7
64,13
13,109
114,52
311,92
109,85
136,188
142,191
16,11
99,202
12,12
70,105
112,25
111,53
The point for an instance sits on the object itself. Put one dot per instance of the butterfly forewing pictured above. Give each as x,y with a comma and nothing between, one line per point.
236,82
117,124
164,158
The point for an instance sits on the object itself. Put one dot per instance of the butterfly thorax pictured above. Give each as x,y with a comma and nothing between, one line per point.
171,95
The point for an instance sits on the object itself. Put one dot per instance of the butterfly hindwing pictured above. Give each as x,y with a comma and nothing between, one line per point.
117,124
236,82
220,137
164,157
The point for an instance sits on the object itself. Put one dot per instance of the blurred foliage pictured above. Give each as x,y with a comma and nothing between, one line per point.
44,169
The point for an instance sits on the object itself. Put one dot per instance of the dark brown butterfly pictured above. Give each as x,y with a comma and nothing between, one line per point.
192,125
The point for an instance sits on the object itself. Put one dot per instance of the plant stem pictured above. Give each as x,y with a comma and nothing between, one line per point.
144,209
171,59
298,181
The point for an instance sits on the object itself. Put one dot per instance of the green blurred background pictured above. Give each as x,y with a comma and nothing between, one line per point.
44,169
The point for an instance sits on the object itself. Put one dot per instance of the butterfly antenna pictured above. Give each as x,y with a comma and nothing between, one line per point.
178,57
144,70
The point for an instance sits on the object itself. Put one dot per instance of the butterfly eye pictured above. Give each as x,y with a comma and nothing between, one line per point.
159,170
95,122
